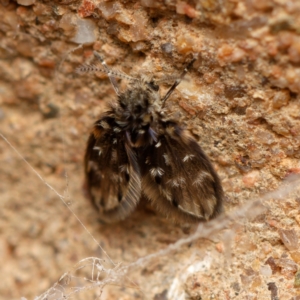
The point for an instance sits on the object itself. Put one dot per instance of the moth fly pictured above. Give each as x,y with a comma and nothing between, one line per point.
135,149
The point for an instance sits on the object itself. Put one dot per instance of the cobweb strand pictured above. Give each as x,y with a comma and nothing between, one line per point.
61,197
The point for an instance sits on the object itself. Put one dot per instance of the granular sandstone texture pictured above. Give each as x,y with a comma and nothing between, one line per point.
241,99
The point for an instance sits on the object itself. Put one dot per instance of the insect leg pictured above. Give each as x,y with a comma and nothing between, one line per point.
177,81
109,73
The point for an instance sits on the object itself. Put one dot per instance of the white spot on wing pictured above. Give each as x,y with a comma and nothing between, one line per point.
202,177
158,144
167,194
167,159
189,212
104,125
98,149
177,182
122,123
156,172
124,168
188,157
209,207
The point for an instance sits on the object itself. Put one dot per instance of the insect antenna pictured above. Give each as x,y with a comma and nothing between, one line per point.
112,75
177,81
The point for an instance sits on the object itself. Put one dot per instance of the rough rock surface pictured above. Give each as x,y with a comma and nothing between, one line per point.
241,99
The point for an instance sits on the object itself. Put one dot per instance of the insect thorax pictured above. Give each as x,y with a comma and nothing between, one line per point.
137,113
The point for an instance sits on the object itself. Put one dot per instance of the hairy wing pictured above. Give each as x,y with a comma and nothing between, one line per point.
112,172
178,178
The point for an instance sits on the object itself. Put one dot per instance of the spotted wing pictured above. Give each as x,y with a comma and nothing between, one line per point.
112,172
178,178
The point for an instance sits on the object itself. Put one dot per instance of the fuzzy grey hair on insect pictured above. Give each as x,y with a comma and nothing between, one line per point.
136,150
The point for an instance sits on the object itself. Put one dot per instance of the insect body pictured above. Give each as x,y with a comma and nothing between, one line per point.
135,150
